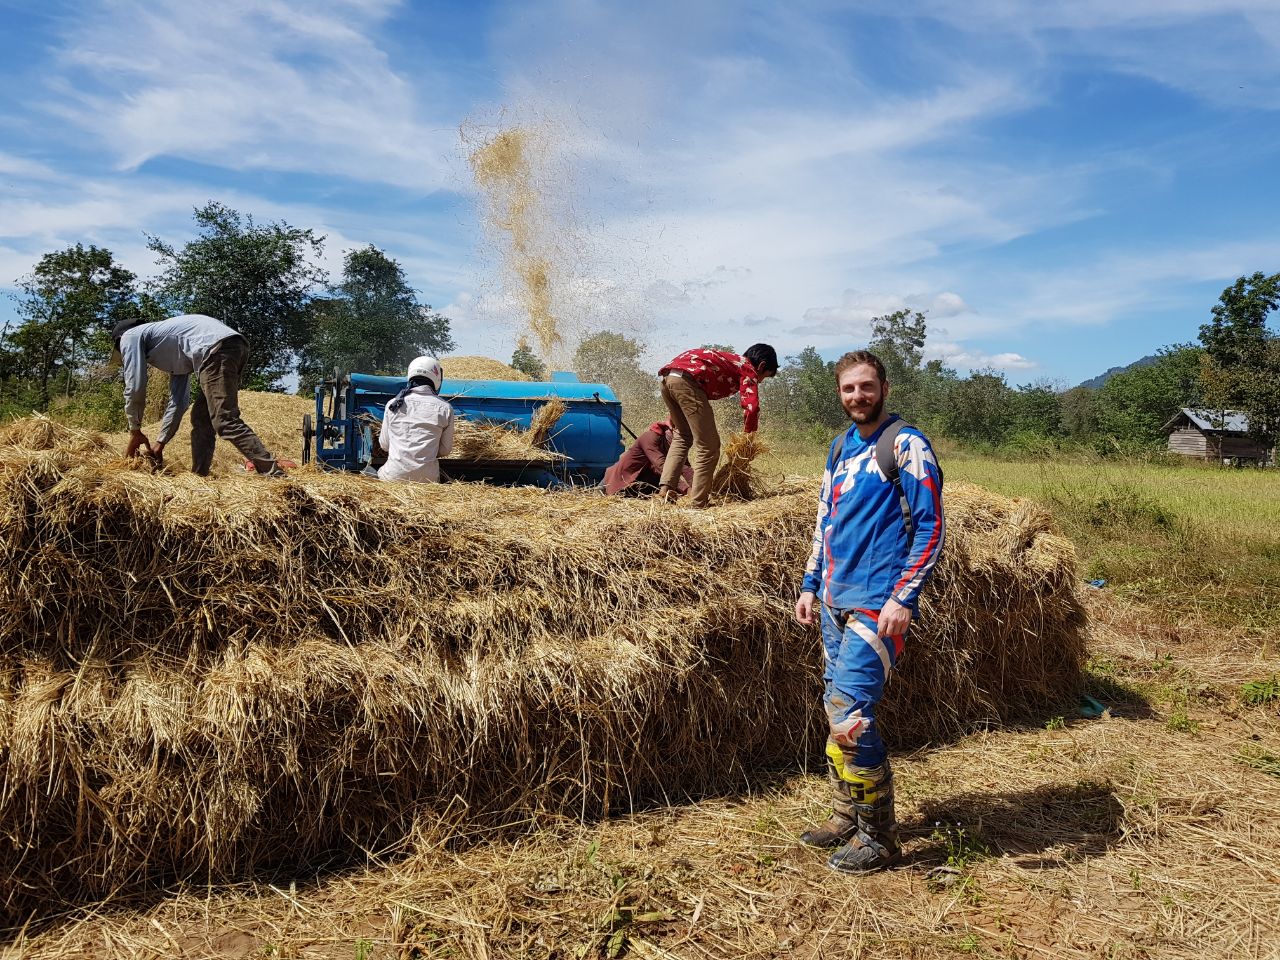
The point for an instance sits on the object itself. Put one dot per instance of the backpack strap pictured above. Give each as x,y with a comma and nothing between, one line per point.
887,461
837,449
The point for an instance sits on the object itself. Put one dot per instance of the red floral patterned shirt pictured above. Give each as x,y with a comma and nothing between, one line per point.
722,374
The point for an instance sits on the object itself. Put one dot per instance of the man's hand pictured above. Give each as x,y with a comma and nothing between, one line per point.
804,608
138,439
895,619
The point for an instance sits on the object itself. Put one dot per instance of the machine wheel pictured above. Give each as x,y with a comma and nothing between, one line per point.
308,434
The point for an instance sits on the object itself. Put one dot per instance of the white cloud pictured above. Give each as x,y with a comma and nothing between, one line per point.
15,166
851,320
281,86
964,357
1226,51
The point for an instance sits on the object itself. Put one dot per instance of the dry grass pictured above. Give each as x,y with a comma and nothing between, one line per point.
203,679
542,424
735,477
1127,837
275,417
479,368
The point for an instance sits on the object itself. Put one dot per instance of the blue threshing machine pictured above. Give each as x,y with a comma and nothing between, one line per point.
589,434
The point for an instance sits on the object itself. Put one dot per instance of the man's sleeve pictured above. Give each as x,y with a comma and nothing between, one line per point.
750,393
179,400
648,444
446,439
382,427
813,568
133,361
922,486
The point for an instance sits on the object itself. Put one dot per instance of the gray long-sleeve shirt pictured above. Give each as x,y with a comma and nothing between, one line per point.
179,346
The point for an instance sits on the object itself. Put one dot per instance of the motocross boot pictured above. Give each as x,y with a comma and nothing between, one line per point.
874,845
843,822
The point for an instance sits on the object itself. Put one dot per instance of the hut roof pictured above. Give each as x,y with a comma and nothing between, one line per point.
1213,421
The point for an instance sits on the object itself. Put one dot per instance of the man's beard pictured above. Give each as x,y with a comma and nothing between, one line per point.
864,415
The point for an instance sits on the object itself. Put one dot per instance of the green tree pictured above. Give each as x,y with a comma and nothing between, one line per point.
527,362
1038,409
1241,370
898,339
372,322
1077,409
256,278
68,305
919,391
1132,407
608,357
981,407
808,384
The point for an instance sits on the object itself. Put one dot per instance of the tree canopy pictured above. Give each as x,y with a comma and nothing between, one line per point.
372,322
68,305
256,278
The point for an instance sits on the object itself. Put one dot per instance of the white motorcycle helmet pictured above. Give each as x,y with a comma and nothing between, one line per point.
430,369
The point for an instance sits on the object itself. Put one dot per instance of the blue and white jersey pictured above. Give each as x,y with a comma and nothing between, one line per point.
860,555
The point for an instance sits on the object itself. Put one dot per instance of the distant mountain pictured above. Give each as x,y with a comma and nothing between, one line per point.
1102,378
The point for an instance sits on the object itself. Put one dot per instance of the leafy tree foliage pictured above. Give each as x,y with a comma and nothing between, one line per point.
806,388
612,358
981,407
918,390
1133,407
68,305
256,278
1241,370
1038,409
527,362
372,322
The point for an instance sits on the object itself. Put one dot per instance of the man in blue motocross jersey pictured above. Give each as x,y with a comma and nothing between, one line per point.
879,534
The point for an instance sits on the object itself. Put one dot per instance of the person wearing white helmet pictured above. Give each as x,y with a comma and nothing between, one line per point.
417,426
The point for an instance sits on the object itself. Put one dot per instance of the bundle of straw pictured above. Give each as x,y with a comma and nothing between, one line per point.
735,478
204,678
544,420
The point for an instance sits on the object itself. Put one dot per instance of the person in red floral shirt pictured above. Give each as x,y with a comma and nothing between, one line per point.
689,383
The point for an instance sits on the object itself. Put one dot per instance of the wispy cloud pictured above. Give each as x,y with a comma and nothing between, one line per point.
284,85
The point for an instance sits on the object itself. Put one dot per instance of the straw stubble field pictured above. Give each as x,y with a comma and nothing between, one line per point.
182,748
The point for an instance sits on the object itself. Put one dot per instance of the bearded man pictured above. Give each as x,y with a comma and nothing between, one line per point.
878,536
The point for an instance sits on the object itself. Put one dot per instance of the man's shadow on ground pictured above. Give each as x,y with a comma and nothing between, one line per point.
1044,827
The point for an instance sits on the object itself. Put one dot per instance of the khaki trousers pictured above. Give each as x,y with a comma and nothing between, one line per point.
215,411
693,425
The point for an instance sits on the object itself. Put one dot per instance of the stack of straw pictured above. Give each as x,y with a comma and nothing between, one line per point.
479,368
200,679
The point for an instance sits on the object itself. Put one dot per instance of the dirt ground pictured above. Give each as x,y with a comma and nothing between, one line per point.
1152,831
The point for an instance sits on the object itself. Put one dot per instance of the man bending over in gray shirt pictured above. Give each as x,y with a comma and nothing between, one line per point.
180,346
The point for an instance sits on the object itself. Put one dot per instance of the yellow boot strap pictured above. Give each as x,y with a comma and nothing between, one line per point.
862,788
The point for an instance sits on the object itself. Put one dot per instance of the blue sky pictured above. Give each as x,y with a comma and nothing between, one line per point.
1060,187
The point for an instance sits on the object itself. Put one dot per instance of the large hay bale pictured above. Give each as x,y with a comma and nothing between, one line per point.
202,678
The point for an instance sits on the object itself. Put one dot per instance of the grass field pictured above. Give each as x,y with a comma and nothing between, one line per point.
1190,540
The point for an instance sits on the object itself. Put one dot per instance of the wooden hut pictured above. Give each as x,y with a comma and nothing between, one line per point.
1213,435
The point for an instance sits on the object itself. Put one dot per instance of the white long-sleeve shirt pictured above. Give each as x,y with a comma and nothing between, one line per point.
179,346
417,437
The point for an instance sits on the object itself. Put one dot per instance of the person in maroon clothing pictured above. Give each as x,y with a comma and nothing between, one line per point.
689,383
639,471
